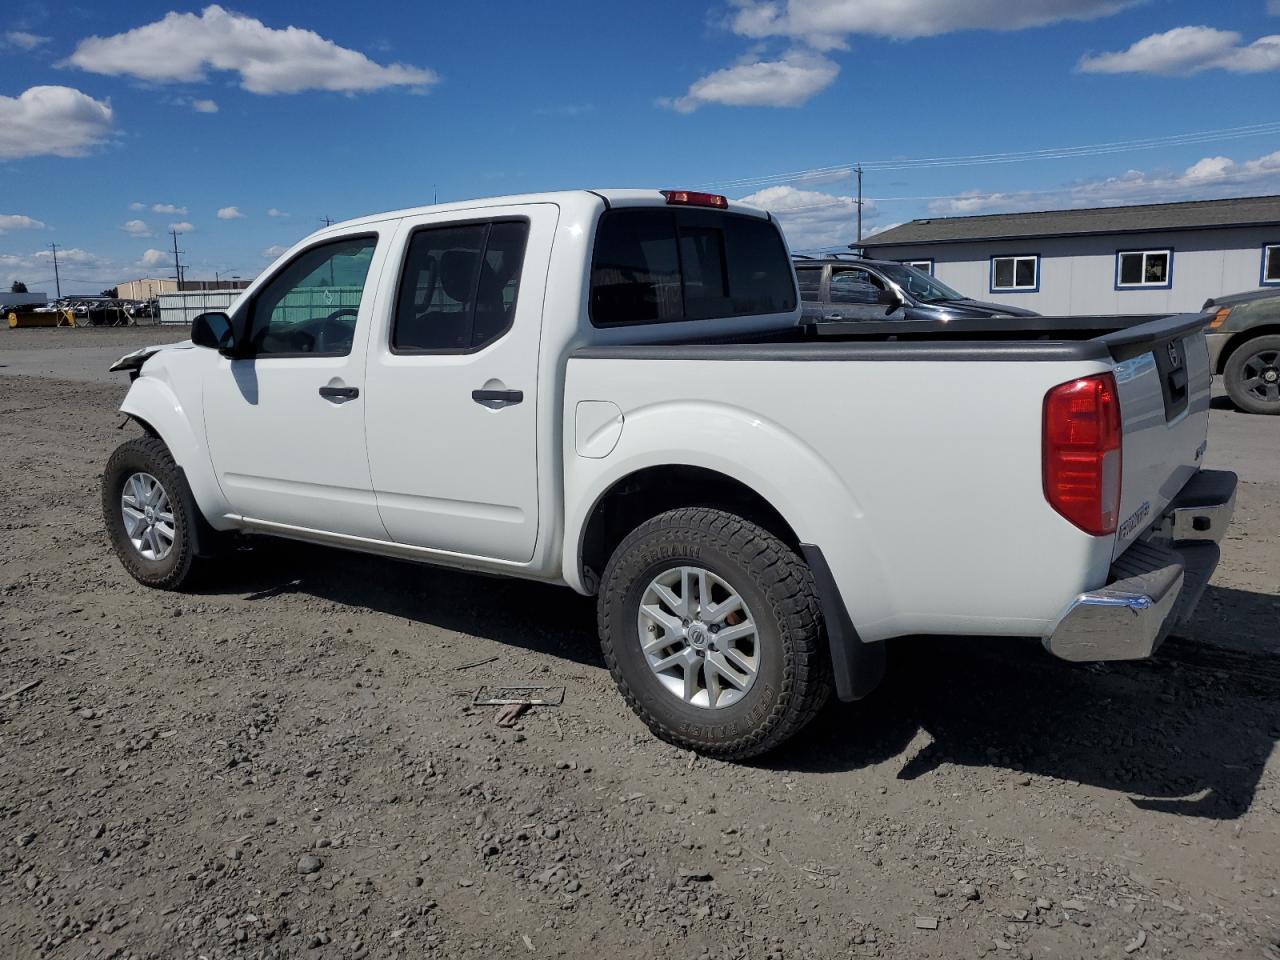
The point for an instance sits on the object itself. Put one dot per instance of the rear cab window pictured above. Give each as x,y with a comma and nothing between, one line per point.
659,265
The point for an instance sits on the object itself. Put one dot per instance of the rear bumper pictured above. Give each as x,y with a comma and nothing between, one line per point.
1156,583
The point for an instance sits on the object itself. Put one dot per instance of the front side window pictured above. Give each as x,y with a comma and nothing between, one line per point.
853,285
1271,264
809,280
1013,274
656,265
458,288
1144,268
310,307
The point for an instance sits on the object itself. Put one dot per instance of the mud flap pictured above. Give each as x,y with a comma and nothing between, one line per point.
857,667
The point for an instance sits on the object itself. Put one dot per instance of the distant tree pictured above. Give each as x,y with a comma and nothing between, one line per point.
110,293
18,287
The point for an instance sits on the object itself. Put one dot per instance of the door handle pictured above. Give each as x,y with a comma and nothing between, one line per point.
497,398
834,316
339,394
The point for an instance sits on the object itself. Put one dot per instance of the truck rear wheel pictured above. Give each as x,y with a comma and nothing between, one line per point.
1252,375
711,628
147,509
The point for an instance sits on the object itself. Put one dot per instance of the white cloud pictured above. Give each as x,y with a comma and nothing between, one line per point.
230,213
168,208
182,227
1204,179
22,40
273,251
154,258
1187,50
17,221
204,106
787,82
137,205
45,120
273,212
812,219
136,228
825,24
180,47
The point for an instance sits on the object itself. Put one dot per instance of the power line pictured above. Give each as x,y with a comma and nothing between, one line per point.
843,170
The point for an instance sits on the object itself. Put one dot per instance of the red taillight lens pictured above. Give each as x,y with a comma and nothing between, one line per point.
1082,454
688,198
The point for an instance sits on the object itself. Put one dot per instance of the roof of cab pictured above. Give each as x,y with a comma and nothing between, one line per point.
613,197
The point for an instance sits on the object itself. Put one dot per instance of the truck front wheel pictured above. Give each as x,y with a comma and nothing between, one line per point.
147,509
1252,375
711,628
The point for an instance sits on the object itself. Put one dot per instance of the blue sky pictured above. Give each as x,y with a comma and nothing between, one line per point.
120,121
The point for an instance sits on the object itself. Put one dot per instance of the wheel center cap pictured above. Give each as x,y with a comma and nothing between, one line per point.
698,635
150,514
1271,376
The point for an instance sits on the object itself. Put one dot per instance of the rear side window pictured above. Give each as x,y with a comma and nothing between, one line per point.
810,281
459,285
658,265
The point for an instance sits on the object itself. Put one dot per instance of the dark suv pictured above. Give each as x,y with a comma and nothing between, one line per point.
852,288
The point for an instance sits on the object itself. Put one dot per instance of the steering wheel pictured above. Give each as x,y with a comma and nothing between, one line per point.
323,331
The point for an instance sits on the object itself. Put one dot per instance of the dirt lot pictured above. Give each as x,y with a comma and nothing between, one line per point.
287,763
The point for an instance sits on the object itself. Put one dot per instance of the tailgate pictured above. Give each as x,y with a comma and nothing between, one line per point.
1163,377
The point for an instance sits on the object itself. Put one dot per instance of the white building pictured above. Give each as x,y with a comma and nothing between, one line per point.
1153,258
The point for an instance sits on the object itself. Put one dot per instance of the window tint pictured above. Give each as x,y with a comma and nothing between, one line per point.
810,281
658,265
855,286
1271,263
310,307
458,289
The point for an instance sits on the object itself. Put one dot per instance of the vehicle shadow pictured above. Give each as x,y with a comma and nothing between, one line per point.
535,616
1187,733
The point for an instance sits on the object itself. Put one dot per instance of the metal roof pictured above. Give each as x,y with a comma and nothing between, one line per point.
1145,218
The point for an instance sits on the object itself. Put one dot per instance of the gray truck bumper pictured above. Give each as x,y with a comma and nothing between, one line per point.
1156,583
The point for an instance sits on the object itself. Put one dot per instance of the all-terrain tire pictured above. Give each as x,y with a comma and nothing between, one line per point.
793,680
1258,354
179,566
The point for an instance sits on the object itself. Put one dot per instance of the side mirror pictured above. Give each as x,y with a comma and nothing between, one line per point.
887,297
215,331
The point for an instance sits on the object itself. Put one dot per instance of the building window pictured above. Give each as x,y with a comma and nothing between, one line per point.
1271,265
924,266
1144,269
1017,274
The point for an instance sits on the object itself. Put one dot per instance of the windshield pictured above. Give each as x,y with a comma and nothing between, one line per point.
918,283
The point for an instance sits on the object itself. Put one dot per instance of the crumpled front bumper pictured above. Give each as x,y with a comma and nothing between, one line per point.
1156,583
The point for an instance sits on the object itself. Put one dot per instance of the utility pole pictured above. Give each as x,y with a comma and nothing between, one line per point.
327,221
858,169
57,280
177,264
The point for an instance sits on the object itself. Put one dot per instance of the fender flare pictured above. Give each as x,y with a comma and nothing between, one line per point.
773,462
152,403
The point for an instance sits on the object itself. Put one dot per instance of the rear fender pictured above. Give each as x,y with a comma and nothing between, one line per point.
789,474
157,407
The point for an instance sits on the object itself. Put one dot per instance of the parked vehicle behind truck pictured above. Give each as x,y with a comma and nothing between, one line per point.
612,391
1244,346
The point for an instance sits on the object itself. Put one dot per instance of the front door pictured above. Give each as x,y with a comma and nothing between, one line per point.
854,294
453,400
285,423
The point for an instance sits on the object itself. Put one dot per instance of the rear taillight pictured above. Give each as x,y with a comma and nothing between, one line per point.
689,198
1082,453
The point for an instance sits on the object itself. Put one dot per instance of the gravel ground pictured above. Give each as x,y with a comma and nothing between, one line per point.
288,764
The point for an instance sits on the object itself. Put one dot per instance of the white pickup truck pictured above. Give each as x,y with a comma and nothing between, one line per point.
611,390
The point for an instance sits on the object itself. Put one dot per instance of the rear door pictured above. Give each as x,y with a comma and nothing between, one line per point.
452,406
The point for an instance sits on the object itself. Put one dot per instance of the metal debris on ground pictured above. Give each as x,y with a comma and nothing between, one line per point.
926,923
509,713
476,663
529,696
20,689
